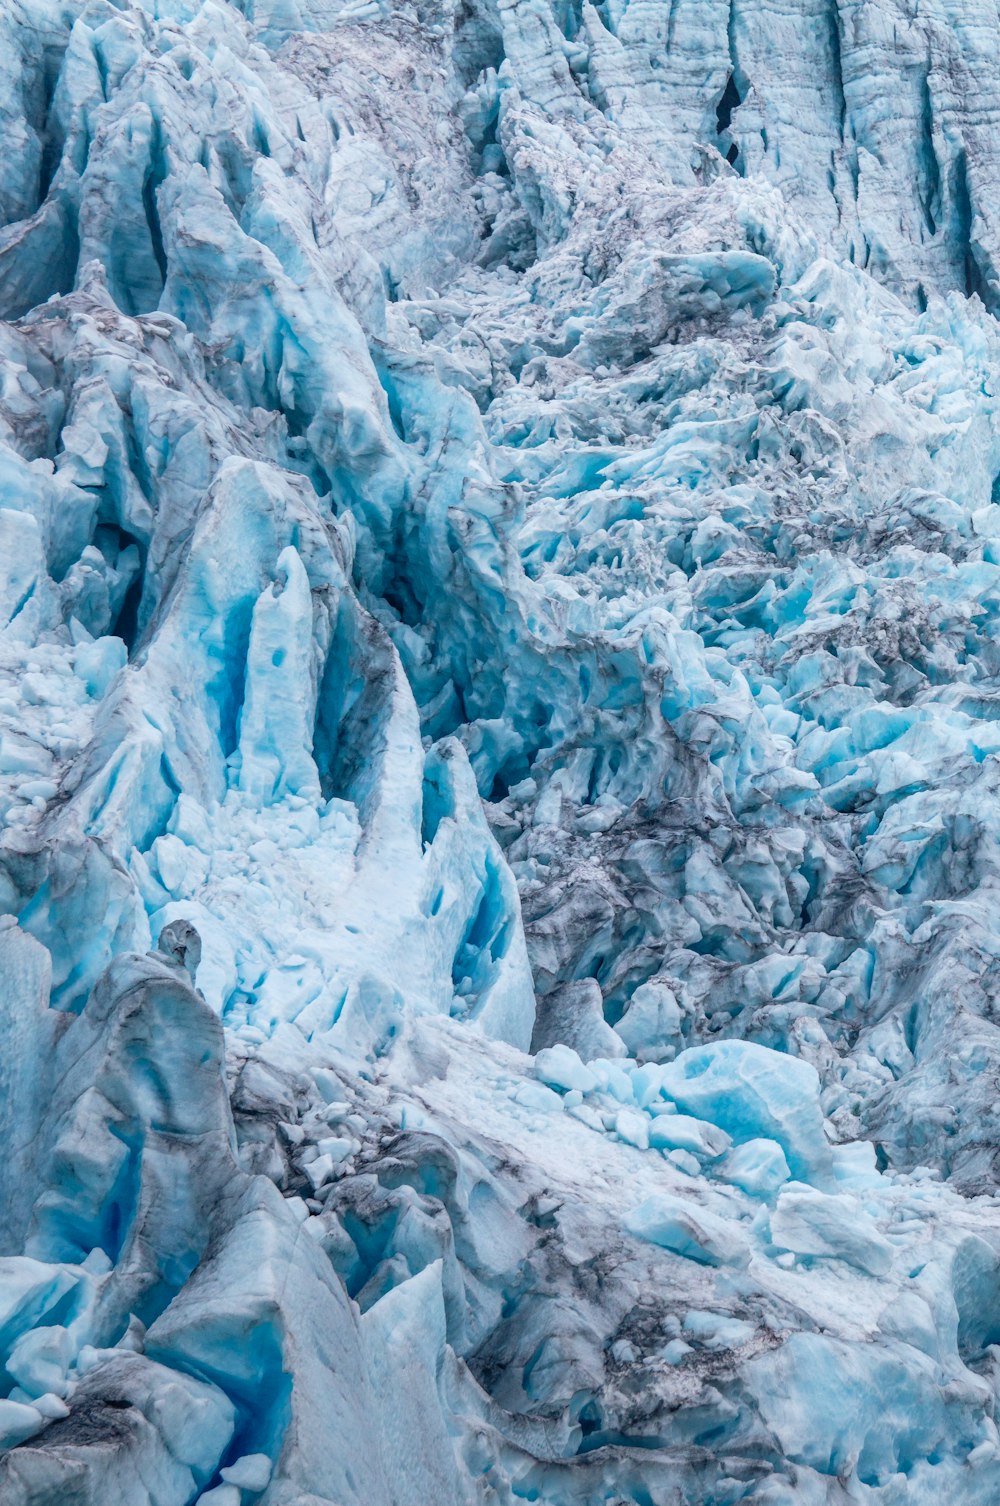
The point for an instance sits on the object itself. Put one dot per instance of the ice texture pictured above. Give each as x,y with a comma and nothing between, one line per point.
499,752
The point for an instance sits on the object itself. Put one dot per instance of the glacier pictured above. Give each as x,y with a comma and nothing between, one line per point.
499,752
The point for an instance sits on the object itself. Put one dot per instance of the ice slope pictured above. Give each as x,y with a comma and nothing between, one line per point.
499,582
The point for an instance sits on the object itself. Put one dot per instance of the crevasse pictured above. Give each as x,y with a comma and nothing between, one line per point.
499,752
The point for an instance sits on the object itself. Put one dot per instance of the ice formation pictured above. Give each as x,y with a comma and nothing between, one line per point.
499,752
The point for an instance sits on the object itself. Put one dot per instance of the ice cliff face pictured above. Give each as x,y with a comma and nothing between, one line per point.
499,752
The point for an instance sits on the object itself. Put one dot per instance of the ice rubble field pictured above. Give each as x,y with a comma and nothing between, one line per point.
499,752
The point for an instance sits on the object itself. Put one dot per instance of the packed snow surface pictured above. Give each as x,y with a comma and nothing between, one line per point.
499,752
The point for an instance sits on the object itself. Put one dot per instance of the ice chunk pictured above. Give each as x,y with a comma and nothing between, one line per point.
251,1472
716,1330
632,1127
40,1359
319,1171
754,1093
181,943
613,1079
758,1166
854,1165
687,1230
683,1132
18,1421
572,1014
651,1025
560,1067
50,1406
30,1289
836,1226
222,1495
